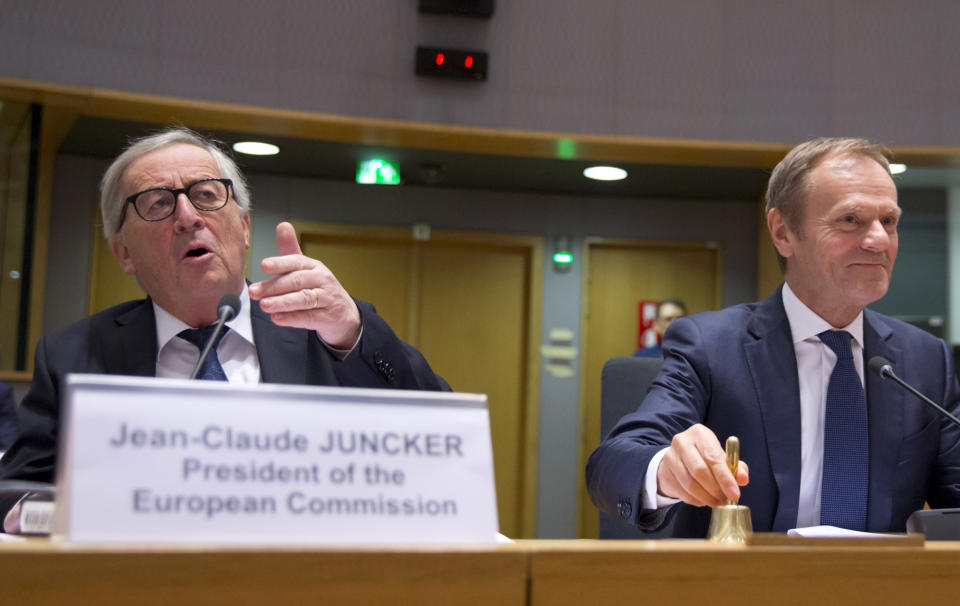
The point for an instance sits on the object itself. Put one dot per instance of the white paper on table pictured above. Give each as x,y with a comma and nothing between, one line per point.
11,538
835,532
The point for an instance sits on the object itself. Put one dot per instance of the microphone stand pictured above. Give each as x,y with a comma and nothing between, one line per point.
883,368
226,311
934,524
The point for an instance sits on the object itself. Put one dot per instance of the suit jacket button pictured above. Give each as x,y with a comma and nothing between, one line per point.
384,367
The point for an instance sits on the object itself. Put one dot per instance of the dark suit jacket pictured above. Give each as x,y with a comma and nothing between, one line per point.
736,372
8,417
122,340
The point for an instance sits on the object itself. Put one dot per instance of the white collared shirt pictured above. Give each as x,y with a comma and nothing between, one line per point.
237,353
815,362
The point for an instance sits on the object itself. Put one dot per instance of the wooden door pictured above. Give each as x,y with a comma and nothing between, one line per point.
372,269
473,330
470,303
619,274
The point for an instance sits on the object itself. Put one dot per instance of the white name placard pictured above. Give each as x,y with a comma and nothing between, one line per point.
166,460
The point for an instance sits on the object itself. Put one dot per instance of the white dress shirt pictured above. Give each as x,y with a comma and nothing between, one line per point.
815,362
237,353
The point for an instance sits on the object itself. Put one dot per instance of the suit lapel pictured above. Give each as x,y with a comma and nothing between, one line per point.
129,346
285,353
773,368
885,418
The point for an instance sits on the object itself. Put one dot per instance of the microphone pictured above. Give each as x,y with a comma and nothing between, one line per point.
227,309
882,367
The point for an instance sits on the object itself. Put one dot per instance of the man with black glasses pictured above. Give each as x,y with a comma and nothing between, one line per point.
176,212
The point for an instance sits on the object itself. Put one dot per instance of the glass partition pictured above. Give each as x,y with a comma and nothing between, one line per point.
18,122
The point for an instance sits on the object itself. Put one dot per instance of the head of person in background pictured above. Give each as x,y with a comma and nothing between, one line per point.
668,310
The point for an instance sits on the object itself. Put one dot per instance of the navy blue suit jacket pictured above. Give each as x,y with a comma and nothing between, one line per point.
122,340
735,371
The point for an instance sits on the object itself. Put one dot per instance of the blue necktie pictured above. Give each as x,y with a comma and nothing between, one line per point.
211,369
843,498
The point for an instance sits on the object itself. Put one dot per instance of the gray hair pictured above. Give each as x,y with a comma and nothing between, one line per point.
112,200
789,184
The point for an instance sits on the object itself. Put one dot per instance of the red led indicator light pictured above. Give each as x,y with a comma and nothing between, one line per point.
439,59
468,62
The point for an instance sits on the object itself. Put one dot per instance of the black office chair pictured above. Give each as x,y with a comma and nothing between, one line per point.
624,382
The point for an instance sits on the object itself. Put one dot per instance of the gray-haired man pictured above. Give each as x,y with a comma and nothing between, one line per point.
176,213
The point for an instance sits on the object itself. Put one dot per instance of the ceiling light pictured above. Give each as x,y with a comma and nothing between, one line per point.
896,169
604,173
256,148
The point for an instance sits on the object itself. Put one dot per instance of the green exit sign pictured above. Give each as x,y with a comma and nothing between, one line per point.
377,171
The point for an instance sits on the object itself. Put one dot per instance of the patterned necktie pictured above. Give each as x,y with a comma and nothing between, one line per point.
843,498
211,369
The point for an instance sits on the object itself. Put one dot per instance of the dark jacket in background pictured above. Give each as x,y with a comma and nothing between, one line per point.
8,417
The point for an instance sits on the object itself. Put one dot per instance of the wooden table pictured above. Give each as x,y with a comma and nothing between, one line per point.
696,572
40,573
537,573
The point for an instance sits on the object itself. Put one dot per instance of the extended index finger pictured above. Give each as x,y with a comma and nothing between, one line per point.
287,240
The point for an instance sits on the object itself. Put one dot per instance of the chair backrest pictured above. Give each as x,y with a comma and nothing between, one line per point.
624,382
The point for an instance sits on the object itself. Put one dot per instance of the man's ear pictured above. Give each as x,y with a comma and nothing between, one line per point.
246,229
122,254
783,238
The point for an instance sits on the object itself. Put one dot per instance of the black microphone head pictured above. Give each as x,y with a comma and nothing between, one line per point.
229,307
881,366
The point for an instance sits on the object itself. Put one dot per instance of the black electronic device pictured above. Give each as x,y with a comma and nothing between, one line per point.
451,63
936,524
482,9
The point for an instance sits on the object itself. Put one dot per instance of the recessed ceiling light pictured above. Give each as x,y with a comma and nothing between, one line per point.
896,169
604,173
256,148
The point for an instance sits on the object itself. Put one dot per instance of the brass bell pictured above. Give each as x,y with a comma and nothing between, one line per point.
730,523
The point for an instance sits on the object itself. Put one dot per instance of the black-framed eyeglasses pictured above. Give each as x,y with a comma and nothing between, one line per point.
157,204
